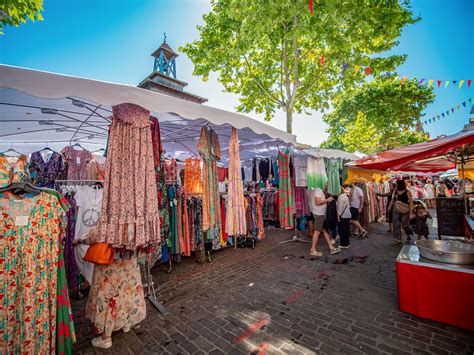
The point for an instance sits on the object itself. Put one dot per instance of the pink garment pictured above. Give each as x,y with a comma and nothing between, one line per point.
300,201
130,215
77,160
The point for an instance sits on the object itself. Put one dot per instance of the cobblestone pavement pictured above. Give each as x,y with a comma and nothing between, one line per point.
277,299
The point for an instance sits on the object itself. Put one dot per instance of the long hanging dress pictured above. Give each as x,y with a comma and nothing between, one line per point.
285,196
235,218
209,150
130,214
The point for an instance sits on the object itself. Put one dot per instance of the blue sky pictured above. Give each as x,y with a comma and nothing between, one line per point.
112,40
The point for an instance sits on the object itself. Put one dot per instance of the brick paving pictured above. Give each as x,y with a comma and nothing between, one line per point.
277,299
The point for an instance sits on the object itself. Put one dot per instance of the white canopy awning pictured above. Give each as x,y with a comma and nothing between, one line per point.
40,108
331,154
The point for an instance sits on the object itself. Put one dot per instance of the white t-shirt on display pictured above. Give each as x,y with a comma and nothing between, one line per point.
318,210
356,198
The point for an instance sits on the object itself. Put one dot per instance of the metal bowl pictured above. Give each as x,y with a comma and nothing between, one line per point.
446,251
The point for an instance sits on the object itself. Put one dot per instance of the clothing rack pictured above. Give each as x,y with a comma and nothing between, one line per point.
78,182
296,237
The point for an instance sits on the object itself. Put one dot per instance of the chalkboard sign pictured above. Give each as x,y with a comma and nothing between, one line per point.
450,213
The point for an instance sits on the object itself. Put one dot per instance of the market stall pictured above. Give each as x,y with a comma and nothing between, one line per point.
55,130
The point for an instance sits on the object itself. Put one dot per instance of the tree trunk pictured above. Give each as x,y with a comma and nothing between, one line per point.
289,120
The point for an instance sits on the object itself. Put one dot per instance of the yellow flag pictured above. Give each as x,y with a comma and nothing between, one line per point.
446,83
310,56
430,83
461,83
356,68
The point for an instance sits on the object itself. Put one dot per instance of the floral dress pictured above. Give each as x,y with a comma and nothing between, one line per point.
13,169
36,314
45,173
285,198
116,299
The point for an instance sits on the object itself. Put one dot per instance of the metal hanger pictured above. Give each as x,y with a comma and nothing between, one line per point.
12,150
78,145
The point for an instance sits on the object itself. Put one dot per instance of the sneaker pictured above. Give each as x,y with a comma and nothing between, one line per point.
333,241
315,253
335,251
364,234
344,247
98,342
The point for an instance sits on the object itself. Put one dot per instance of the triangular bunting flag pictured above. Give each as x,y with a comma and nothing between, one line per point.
470,100
430,82
447,113
452,110
464,103
442,114
439,83
469,83
356,68
344,67
458,107
425,122
461,83
404,79
310,5
421,81
429,120
310,56
322,60
367,70
438,117
446,83
454,82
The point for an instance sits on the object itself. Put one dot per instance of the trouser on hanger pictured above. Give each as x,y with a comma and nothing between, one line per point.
401,220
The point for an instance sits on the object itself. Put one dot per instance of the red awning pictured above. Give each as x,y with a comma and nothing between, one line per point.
405,158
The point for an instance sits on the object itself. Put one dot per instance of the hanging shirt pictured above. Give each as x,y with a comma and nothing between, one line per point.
300,172
45,168
265,168
77,160
316,173
13,169
89,204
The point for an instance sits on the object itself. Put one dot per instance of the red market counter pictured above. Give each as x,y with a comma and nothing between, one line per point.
437,291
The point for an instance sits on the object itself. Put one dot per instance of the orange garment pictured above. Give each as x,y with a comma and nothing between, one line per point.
261,230
192,176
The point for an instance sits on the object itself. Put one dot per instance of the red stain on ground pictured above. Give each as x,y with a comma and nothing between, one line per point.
250,330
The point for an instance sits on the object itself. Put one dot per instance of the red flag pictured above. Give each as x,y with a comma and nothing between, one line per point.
367,70
310,5
469,83
322,60
439,83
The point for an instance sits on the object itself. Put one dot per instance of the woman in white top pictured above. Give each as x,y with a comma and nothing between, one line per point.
430,194
344,214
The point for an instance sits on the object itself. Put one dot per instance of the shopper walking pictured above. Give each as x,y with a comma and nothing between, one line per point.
356,199
318,205
430,194
344,216
442,189
402,204
388,210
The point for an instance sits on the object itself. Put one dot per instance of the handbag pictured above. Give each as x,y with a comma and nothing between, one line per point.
401,207
100,254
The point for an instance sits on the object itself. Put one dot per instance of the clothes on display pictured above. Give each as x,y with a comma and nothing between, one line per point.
271,205
301,202
76,160
285,196
209,149
316,173
96,167
192,176
235,215
88,206
130,216
46,167
171,170
13,169
300,166
36,300
334,170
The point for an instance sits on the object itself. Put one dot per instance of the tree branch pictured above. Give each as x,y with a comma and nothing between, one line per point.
260,85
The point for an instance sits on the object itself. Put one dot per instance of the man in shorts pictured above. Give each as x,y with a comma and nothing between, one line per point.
318,205
356,199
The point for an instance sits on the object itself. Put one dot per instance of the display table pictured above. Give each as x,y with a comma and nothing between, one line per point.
437,291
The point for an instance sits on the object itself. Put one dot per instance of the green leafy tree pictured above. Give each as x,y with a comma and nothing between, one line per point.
361,136
277,55
16,12
392,108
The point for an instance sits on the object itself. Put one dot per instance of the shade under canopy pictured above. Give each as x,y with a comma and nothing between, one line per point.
40,108
417,157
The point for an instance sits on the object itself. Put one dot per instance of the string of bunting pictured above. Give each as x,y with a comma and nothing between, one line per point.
367,70
446,114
